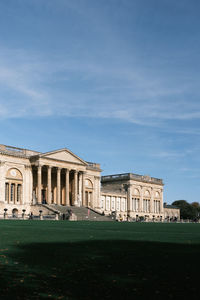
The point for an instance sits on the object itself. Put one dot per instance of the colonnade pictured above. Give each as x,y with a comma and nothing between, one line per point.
77,187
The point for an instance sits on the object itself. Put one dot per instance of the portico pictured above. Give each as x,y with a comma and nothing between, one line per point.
61,178
56,185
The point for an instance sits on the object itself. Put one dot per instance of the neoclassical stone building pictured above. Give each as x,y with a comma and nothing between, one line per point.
30,179
133,195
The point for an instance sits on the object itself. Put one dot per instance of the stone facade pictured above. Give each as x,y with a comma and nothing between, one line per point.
58,177
30,179
172,213
133,196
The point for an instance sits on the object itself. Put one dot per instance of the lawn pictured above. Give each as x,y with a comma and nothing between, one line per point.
98,260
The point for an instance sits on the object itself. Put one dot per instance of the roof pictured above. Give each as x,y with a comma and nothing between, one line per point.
170,206
128,176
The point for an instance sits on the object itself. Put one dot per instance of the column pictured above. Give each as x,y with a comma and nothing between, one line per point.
39,184
80,188
75,187
67,187
83,189
58,186
141,201
161,202
151,200
128,201
15,201
49,185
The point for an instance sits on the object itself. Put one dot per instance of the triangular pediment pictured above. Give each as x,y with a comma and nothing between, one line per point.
64,155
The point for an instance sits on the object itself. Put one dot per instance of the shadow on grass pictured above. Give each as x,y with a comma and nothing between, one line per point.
100,270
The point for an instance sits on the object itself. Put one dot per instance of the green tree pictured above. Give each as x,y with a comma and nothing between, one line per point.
187,210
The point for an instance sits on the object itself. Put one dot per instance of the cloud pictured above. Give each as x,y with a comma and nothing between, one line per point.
32,85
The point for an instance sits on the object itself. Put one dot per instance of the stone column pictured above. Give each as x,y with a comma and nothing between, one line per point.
83,189
120,204
80,188
2,181
39,184
161,202
151,200
15,201
141,201
58,186
49,185
75,187
67,187
128,201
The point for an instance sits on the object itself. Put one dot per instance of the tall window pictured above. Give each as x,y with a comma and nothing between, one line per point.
156,206
118,203
135,204
146,205
123,204
19,188
12,192
7,192
113,203
102,202
108,203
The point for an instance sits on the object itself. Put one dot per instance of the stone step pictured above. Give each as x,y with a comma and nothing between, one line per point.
82,213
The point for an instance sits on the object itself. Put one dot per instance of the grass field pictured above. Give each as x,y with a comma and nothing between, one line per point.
98,260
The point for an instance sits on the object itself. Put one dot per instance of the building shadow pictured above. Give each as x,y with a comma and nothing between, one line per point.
102,269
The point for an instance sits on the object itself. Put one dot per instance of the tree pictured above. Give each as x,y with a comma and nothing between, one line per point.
187,210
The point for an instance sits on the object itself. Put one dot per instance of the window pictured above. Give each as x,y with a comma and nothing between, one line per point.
12,192
113,203
146,205
135,204
118,203
19,192
102,202
156,206
108,203
7,192
123,204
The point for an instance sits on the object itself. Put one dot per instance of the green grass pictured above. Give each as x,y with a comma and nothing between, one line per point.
98,260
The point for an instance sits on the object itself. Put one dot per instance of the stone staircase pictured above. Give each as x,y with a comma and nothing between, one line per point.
81,213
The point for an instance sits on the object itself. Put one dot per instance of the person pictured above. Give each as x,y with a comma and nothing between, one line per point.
31,216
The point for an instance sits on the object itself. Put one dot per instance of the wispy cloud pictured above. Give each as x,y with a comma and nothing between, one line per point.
33,85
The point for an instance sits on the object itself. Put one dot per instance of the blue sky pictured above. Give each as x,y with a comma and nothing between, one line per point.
115,81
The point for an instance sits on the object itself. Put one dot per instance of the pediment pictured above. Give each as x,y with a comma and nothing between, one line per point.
64,155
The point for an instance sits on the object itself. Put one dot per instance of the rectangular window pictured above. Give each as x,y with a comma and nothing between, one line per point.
137,204
144,205
113,203
7,192
158,206
123,205
118,204
148,205
108,203
19,192
102,202
12,192
133,204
